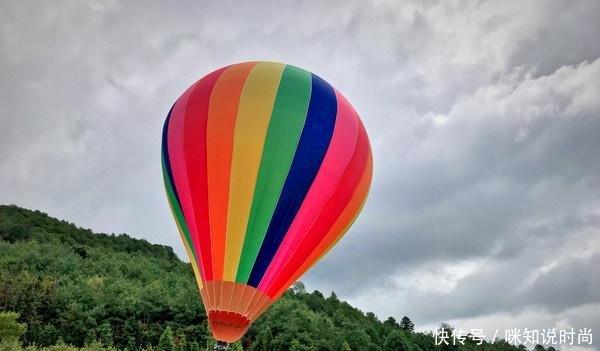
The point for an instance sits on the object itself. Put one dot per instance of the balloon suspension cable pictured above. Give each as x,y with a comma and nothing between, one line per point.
221,346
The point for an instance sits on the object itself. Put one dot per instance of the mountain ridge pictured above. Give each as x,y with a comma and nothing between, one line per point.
72,286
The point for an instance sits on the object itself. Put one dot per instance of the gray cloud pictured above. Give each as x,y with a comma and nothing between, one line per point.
471,183
483,118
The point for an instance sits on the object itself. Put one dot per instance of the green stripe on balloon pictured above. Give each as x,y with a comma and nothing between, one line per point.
285,127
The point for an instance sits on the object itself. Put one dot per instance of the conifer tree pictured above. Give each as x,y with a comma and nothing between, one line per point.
165,343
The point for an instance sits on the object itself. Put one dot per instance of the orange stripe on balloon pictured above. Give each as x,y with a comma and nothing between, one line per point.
222,113
194,143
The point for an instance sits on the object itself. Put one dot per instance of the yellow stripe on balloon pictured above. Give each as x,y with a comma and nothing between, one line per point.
252,122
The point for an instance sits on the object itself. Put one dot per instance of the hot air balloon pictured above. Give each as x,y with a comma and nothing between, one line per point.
265,166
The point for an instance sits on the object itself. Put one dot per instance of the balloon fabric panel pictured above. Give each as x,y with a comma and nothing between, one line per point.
287,121
195,122
175,206
326,218
254,114
222,113
335,162
342,224
170,186
313,144
178,169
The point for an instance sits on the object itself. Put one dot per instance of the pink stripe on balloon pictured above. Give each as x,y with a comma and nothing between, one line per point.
328,215
188,116
179,167
337,158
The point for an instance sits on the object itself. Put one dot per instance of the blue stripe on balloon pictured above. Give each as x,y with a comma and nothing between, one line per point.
165,152
313,144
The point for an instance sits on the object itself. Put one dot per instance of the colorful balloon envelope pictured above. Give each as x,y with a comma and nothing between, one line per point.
265,166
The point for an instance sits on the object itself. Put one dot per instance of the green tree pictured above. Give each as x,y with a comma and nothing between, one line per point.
210,345
298,288
424,341
395,342
345,346
166,341
407,325
10,328
105,334
180,342
263,340
391,323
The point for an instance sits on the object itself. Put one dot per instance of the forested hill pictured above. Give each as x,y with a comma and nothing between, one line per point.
70,286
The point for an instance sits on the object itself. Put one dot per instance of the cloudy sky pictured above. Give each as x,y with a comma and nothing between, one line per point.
484,118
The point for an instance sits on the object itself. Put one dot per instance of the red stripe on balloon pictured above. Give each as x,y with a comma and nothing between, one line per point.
194,144
329,214
339,228
337,159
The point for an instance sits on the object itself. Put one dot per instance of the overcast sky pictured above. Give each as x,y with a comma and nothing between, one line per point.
484,118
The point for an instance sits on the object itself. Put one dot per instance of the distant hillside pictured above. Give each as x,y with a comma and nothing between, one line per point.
19,224
72,286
